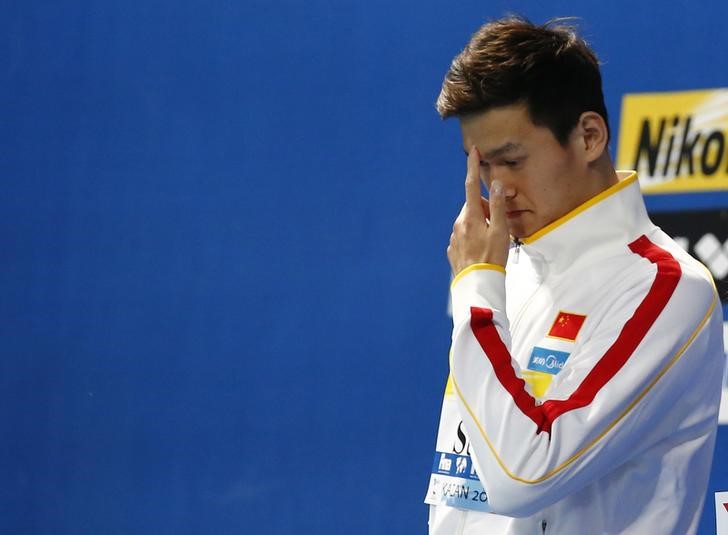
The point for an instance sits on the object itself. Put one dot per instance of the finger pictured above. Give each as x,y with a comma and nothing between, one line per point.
472,183
486,207
497,206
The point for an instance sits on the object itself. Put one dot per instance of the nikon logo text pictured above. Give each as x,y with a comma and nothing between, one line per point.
676,141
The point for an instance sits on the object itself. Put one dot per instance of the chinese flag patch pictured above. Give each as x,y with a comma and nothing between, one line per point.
566,326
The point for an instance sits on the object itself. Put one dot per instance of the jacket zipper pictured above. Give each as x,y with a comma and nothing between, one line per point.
523,309
517,254
543,527
527,303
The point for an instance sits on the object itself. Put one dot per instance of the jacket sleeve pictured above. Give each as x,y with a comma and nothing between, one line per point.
619,397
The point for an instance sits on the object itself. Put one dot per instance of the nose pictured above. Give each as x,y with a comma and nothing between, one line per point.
509,190
492,173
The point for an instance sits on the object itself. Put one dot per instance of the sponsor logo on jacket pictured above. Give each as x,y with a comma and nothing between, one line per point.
547,360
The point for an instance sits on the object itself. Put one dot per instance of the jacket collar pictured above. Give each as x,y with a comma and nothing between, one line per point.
615,216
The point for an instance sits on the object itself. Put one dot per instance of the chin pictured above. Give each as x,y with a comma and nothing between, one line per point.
517,233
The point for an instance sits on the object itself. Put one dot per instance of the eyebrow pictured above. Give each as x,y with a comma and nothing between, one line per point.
500,151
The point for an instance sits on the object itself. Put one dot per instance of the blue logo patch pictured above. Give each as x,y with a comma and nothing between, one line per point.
449,464
547,360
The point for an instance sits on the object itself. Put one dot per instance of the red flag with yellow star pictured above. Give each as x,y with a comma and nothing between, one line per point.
566,326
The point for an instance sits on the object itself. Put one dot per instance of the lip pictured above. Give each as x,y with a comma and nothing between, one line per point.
511,214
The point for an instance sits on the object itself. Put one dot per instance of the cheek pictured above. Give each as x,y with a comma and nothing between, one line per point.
545,191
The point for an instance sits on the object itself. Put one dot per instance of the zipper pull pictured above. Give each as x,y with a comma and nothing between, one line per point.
518,244
543,527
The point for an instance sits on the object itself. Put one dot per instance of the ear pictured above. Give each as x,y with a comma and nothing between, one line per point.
593,135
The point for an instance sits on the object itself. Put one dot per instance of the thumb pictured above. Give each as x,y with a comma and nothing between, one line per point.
497,207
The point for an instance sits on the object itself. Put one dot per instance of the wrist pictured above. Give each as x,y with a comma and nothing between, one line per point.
476,266
478,285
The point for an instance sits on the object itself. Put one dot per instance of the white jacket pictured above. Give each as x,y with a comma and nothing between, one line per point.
585,381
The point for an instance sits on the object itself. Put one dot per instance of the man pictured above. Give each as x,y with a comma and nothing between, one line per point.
586,361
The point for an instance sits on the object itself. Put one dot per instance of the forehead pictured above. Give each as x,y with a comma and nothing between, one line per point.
505,127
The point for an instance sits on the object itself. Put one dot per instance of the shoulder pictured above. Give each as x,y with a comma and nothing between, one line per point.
654,272
675,289
694,277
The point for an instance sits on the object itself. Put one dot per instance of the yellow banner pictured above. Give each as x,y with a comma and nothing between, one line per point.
676,141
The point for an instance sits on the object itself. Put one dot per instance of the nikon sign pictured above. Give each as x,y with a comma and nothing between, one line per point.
677,142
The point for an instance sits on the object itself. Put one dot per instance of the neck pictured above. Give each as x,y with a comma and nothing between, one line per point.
600,176
615,216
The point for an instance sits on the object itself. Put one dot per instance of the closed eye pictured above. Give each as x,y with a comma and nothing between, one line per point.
513,163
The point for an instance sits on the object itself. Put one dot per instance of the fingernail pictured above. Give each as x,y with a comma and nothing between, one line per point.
496,188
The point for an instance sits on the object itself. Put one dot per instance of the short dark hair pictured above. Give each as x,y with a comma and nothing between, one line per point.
547,67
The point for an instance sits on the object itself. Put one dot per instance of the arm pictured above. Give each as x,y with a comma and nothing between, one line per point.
600,415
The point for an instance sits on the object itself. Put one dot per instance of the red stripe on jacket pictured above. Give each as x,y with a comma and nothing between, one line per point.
634,330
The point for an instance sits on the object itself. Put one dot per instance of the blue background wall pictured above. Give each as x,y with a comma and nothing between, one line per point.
223,285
